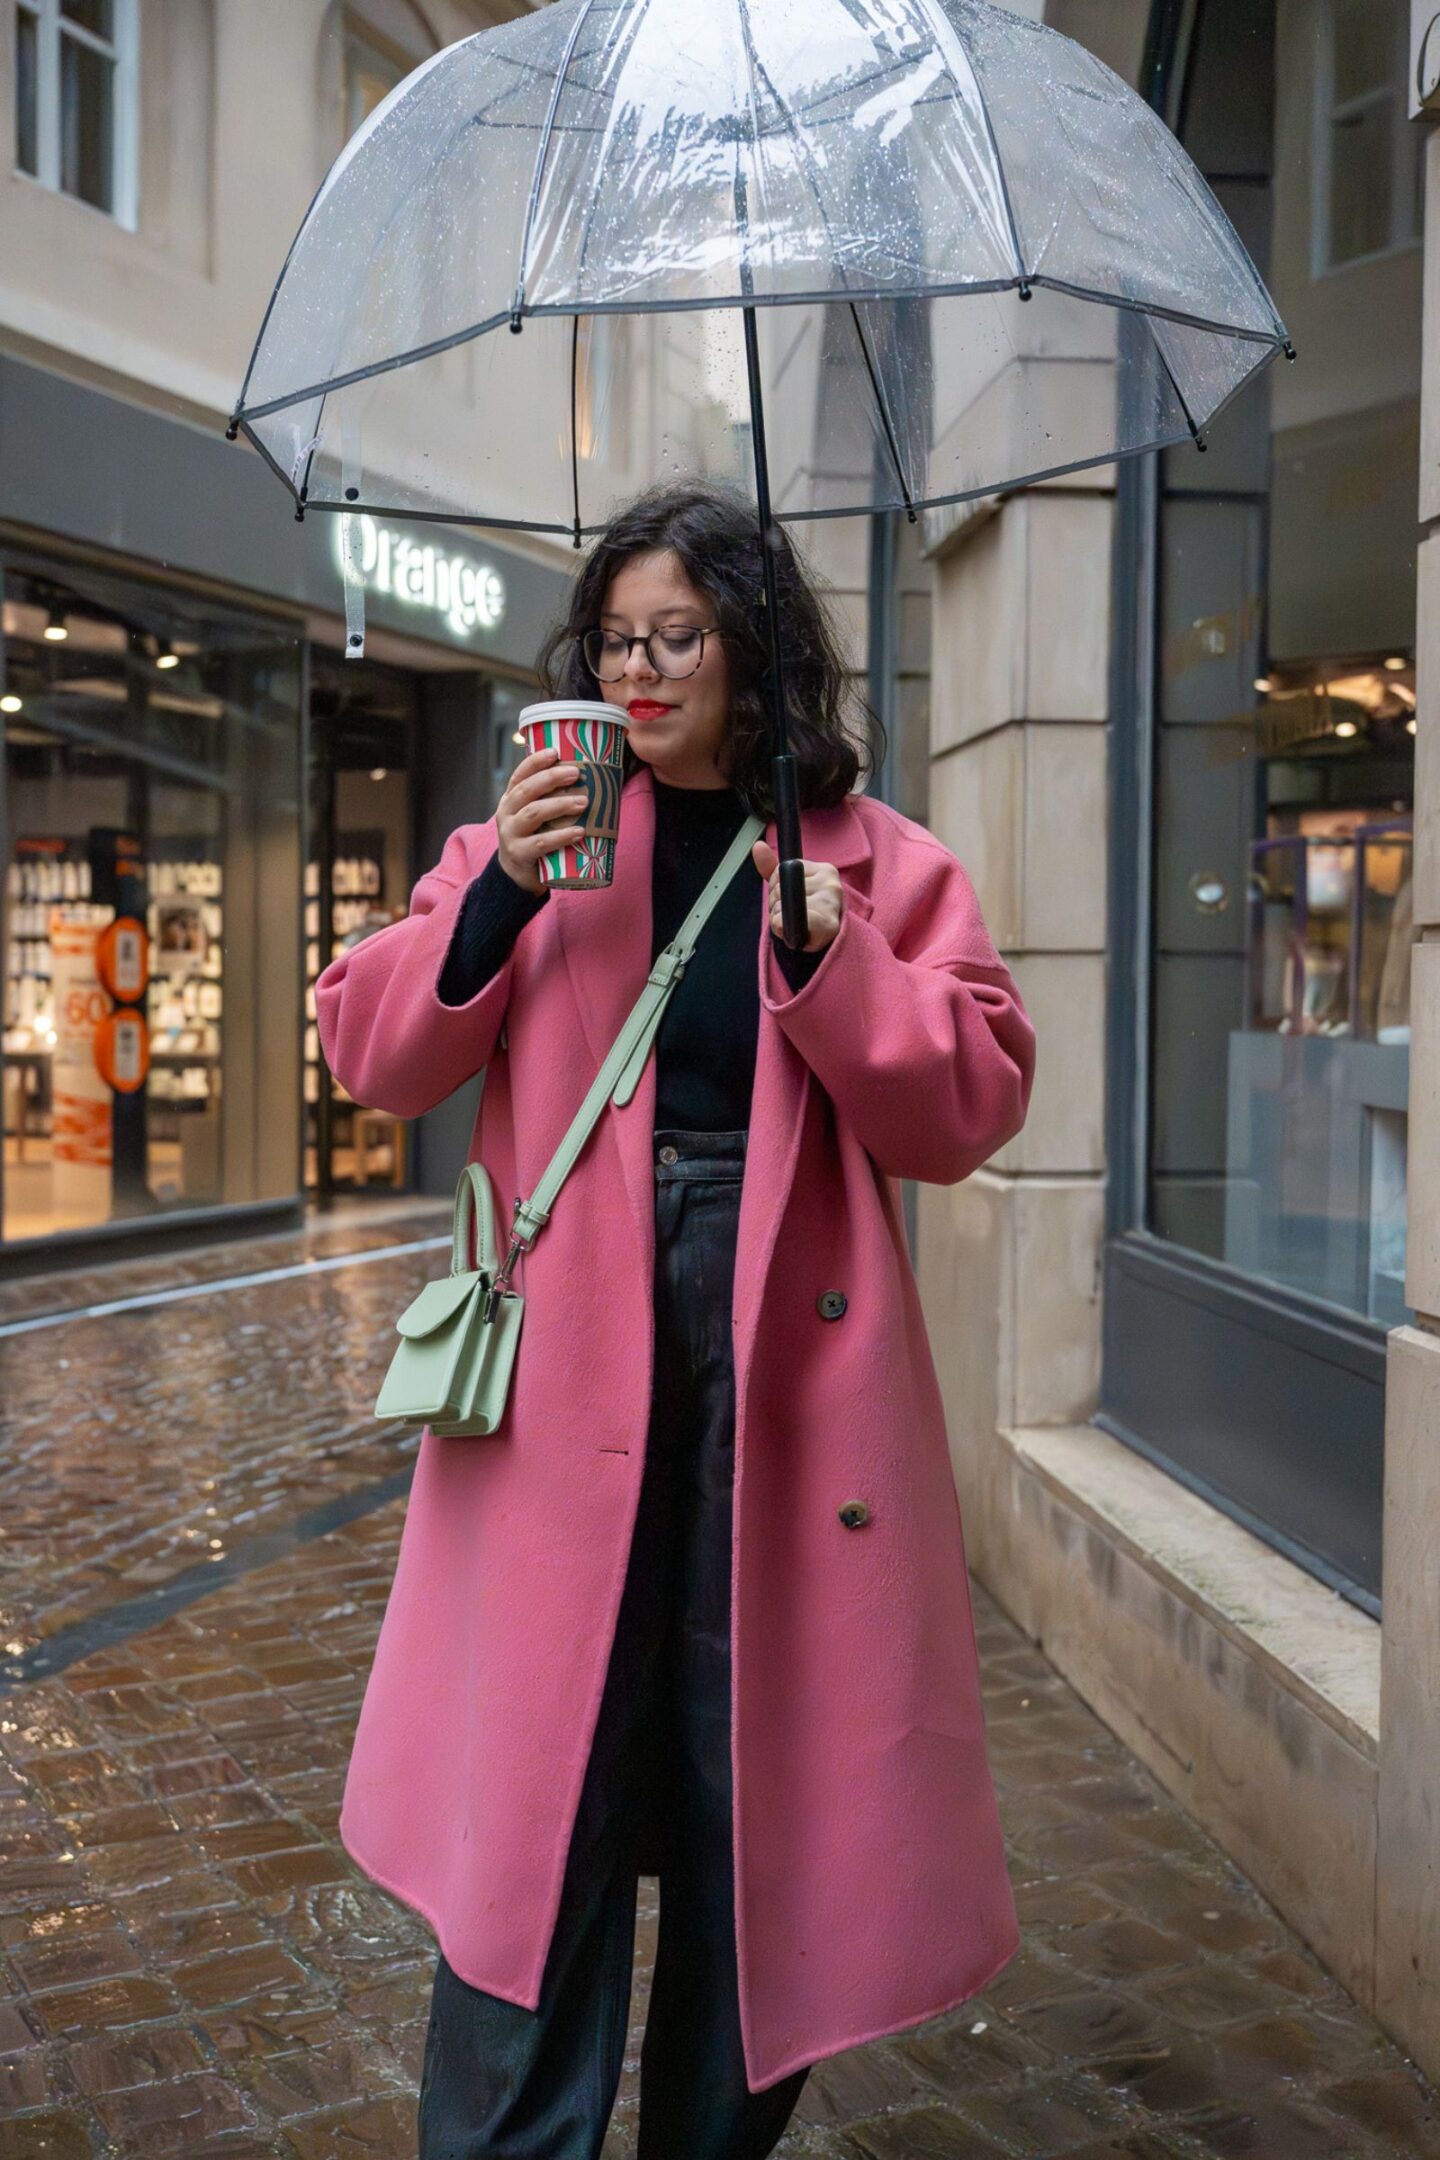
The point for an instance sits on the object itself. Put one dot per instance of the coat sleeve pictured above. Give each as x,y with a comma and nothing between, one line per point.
923,1045
492,914
387,1036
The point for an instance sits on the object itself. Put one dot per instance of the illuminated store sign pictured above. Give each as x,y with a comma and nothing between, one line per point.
466,594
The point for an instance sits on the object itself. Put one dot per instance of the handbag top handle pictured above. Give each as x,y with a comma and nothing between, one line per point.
473,1198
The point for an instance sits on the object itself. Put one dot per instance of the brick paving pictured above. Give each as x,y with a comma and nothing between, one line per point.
191,1966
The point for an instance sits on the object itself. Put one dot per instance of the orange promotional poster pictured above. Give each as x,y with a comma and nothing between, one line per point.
82,1101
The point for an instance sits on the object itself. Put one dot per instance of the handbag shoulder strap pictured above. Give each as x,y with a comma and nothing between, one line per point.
620,1073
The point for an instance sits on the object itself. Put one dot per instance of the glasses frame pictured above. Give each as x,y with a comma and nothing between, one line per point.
713,630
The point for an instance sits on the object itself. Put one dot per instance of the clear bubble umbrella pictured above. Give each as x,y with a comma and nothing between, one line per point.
853,254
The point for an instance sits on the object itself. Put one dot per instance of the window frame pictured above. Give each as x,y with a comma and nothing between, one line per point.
1329,111
1268,1404
360,36
122,51
360,40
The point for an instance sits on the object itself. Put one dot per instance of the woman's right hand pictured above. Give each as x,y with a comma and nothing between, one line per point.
524,818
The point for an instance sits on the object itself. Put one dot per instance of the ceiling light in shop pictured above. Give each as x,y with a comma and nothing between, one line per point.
379,773
167,659
1396,662
1347,728
1262,684
1369,689
10,703
26,621
517,737
55,628
1410,725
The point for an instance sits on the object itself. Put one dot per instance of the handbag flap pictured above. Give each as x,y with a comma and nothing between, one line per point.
437,1304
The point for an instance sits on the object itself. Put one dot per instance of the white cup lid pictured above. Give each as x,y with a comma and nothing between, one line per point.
574,709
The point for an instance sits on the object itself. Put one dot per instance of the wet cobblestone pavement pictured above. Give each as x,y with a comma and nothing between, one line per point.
191,1966
348,1228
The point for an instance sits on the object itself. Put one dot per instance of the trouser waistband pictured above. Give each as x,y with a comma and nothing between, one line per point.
678,1153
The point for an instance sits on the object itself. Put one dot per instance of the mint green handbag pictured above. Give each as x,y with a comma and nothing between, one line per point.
452,1368
458,1338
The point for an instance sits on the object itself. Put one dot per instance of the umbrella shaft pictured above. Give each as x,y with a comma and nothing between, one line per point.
768,535
787,808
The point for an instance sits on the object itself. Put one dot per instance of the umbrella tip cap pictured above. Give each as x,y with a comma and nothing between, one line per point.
517,323
1025,292
232,431
1288,349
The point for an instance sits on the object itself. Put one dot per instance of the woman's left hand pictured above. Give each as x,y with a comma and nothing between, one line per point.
824,896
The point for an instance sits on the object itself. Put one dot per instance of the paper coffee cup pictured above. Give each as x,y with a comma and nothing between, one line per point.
591,736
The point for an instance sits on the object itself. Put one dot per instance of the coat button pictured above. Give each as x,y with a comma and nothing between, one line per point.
669,1154
830,1304
854,1513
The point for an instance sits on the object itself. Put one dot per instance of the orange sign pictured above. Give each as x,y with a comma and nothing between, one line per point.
122,958
82,1102
122,1050
82,1132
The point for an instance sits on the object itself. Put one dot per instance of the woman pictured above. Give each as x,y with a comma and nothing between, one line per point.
700,1607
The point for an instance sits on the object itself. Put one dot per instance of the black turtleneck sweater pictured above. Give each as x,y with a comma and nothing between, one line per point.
705,1049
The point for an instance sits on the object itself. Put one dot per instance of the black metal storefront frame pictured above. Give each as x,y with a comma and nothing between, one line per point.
1270,1405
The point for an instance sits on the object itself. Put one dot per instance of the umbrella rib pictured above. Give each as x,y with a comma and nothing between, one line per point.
270,305
546,137
885,420
797,136
927,9
854,89
300,232
445,517
1181,398
243,427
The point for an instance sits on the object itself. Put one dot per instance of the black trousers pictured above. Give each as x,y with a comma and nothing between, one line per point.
499,2080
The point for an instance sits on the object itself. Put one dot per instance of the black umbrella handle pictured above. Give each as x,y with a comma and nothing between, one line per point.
794,920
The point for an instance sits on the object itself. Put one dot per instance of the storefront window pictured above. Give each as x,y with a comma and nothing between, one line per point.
151,901
1286,690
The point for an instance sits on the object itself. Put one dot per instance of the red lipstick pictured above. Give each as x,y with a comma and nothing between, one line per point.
646,709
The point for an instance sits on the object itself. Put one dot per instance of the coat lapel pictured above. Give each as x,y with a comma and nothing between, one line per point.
606,939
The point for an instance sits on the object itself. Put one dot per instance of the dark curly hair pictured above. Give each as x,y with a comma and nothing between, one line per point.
715,533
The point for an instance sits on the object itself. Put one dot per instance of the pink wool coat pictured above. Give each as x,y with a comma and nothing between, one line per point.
870,1880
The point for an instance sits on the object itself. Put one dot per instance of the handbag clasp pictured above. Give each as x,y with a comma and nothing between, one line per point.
500,1281
521,1239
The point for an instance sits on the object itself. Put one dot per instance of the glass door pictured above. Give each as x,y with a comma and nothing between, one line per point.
357,879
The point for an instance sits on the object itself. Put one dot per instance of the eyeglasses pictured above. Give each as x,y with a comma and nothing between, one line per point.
671,653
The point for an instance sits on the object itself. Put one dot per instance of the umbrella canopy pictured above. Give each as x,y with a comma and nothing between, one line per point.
940,213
